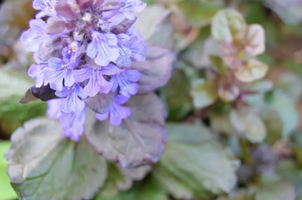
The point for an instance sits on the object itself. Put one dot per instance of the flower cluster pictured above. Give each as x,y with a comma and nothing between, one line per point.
83,49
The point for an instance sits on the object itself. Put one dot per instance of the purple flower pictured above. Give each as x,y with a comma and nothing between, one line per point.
132,6
54,108
86,47
57,71
103,48
96,81
130,47
127,82
116,111
72,101
73,124
35,36
136,44
71,53
37,72
125,53
47,7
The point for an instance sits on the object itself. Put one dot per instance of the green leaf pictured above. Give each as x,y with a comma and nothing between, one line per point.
297,139
261,86
9,108
286,108
122,179
260,18
197,13
204,93
219,65
289,170
298,153
276,190
273,125
238,195
6,190
197,53
13,85
171,184
289,84
190,72
189,134
248,123
195,166
146,190
114,178
227,24
45,165
251,70
220,123
139,140
178,96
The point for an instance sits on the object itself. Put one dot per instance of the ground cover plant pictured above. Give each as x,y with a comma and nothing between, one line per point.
150,100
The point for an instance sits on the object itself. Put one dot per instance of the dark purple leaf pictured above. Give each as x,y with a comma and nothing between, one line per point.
65,10
43,93
156,70
55,25
139,140
28,97
123,26
84,4
101,102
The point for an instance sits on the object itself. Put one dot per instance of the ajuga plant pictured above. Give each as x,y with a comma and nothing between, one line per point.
83,53
155,100
92,68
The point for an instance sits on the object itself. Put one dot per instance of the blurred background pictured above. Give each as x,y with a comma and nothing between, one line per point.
270,151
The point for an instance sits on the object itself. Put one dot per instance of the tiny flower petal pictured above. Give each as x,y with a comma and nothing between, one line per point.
47,7
71,53
127,82
54,108
37,73
72,101
102,117
35,36
57,71
103,48
117,112
96,81
132,46
73,124
132,6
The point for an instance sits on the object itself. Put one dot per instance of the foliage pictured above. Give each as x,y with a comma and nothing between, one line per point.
225,126
6,190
